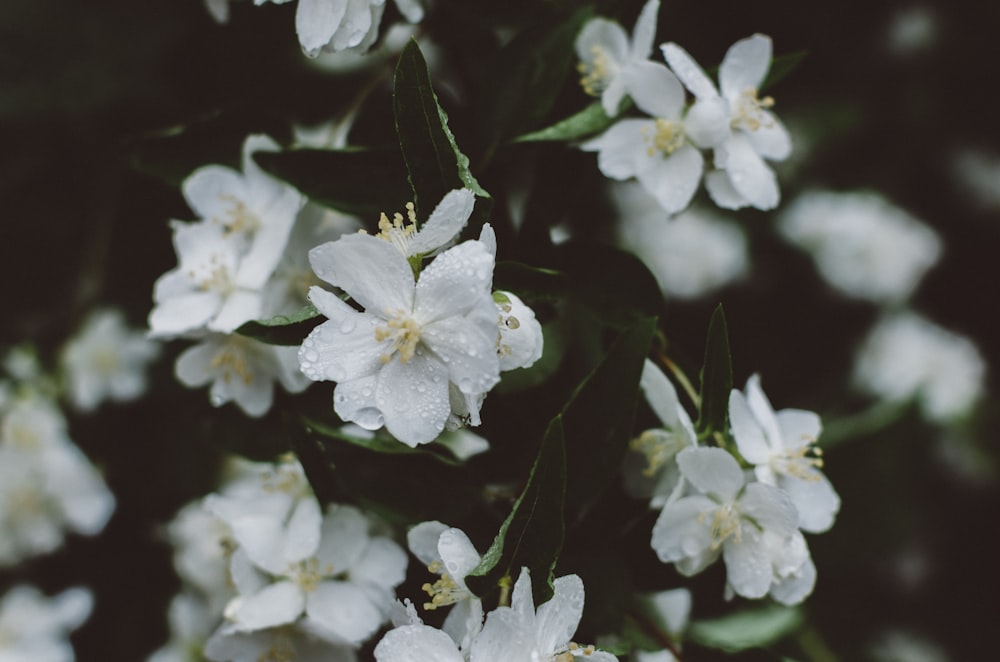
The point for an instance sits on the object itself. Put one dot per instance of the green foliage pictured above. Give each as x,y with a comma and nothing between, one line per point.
355,181
283,329
781,66
716,377
750,628
433,160
583,124
532,535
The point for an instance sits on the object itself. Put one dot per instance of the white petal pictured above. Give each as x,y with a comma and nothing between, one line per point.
417,643
423,541
413,398
488,238
707,122
798,427
771,508
720,189
771,139
682,531
557,619
796,587
275,605
745,65
316,21
711,470
644,31
454,282
457,553
611,97
523,343
239,307
621,147
747,432
464,622
604,36
505,636
371,270
674,179
270,239
343,348
660,394
301,536
445,222
655,90
344,538
383,564
355,26
748,564
211,191
354,401
344,609
184,313
467,352
411,10
815,500
750,176
193,367
688,71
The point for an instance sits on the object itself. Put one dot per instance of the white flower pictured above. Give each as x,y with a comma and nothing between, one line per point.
191,622
106,360
36,628
339,25
442,226
225,259
864,246
752,132
202,546
241,370
906,356
782,448
690,254
282,643
521,341
448,552
728,517
650,471
977,171
394,362
660,151
520,633
606,54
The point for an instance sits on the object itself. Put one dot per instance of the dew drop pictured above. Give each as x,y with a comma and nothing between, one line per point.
347,325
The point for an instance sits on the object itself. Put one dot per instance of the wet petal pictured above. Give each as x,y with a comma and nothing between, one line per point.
655,90
674,180
344,609
688,71
711,470
445,222
454,282
316,21
558,618
417,643
745,65
371,270
750,176
344,347
413,398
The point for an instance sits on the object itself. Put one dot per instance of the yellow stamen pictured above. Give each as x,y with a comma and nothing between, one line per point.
749,113
404,332
445,591
397,231
596,73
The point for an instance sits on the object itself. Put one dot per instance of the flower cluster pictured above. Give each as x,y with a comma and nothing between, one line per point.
663,150
710,507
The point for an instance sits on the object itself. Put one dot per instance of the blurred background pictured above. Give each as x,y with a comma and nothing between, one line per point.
894,99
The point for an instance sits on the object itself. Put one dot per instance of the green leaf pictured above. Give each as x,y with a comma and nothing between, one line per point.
781,66
716,377
588,122
433,160
532,535
378,443
752,628
283,329
355,181
598,417
525,78
530,282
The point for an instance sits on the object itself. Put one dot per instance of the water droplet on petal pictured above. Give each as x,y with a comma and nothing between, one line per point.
347,325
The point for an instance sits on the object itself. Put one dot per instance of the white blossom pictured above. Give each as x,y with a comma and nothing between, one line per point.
105,360
438,232
905,356
863,245
726,517
751,134
782,446
521,342
691,254
191,621
606,55
394,362
36,628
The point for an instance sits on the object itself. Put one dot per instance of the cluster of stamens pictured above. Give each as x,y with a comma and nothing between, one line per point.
595,74
308,574
667,137
217,280
658,445
238,219
398,231
749,111
445,591
725,524
232,361
802,462
284,479
567,655
404,332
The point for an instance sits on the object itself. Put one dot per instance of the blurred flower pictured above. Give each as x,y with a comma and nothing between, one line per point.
978,172
911,30
36,628
191,622
106,360
905,646
906,356
751,134
606,55
691,254
863,246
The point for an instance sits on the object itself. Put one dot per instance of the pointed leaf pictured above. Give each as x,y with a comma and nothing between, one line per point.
532,535
752,628
283,329
781,66
587,122
716,377
354,181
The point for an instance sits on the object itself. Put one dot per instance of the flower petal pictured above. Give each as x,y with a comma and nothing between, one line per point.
211,190
445,222
655,90
422,540
183,313
457,553
707,122
467,351
344,538
815,500
682,532
604,37
621,147
660,394
673,180
413,398
383,564
798,427
711,470
343,609
745,65
316,21
748,564
371,270
747,432
274,605
720,189
344,347
749,175
771,139
558,618
644,31
454,282
688,71
416,643
354,401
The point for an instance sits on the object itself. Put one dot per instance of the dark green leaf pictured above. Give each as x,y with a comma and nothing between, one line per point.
355,181
598,417
752,628
318,467
532,535
781,66
588,122
433,160
526,77
530,282
283,329
716,376
378,443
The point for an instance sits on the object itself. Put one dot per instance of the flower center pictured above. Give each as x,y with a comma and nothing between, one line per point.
215,278
403,332
445,591
231,361
398,232
667,137
596,73
238,219
308,574
659,446
802,462
748,112
725,524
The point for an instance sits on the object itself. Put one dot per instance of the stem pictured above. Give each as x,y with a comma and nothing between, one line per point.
654,631
681,378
